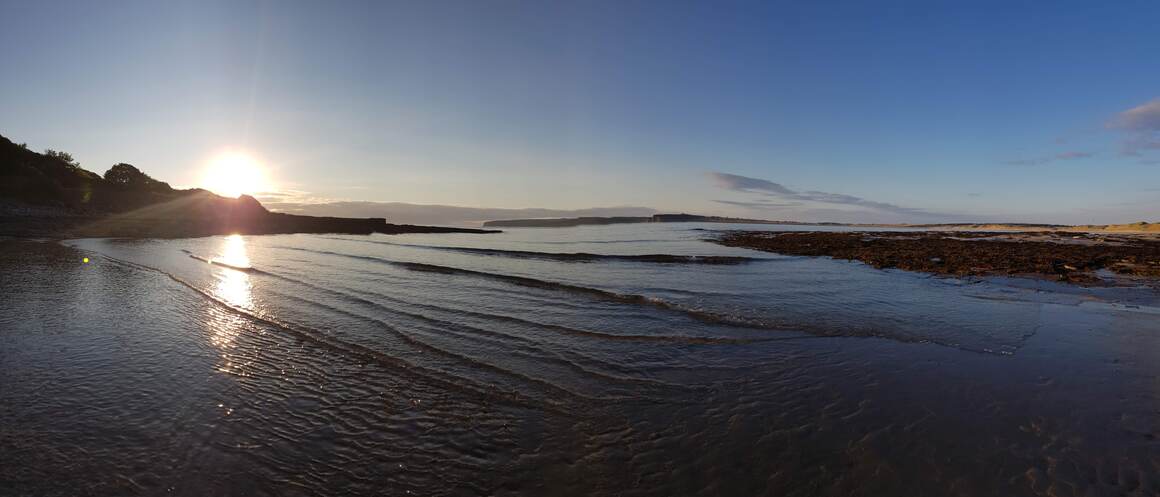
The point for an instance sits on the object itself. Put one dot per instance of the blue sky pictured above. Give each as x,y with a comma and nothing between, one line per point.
912,111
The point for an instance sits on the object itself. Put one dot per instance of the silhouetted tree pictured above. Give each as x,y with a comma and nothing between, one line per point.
65,157
130,177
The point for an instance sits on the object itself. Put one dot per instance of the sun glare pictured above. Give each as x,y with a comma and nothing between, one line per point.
233,173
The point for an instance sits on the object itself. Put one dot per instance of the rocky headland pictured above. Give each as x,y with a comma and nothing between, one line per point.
50,195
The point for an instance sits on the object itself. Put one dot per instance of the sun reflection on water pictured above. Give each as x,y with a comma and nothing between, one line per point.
233,287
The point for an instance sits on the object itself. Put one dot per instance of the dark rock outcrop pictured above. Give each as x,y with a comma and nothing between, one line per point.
1062,256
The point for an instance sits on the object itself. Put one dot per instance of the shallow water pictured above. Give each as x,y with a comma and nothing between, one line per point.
495,364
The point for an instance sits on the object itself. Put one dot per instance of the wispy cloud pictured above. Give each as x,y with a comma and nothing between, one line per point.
759,204
1142,117
743,183
1141,124
1071,155
776,192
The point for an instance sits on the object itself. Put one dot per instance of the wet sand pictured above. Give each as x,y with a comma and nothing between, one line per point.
1064,256
115,381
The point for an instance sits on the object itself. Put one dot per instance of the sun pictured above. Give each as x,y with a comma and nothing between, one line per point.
233,173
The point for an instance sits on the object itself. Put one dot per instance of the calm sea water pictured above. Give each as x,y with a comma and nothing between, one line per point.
506,365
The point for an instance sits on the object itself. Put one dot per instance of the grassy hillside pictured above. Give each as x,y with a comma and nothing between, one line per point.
42,179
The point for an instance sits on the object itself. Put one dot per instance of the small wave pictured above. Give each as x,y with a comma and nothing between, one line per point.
413,340
524,347
244,269
326,341
692,340
407,337
577,256
516,320
701,315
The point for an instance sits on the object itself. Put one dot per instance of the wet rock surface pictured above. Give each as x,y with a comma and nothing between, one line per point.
1069,257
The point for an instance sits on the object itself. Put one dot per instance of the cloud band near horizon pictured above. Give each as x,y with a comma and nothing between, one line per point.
773,195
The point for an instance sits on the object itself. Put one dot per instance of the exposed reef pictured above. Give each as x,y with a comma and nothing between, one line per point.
1063,256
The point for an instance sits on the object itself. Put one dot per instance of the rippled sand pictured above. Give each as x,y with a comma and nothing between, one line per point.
118,378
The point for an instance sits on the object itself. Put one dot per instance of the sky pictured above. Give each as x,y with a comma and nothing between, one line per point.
814,111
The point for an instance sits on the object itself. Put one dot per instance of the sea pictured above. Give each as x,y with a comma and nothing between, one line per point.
637,359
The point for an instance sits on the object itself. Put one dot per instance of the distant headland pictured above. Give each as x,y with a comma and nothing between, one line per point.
49,195
1140,227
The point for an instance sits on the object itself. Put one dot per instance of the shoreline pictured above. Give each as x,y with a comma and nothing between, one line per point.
1071,257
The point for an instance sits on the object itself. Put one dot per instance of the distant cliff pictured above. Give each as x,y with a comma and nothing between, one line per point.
49,194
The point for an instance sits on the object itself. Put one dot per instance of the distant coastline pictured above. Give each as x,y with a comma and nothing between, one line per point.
655,218
1139,227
